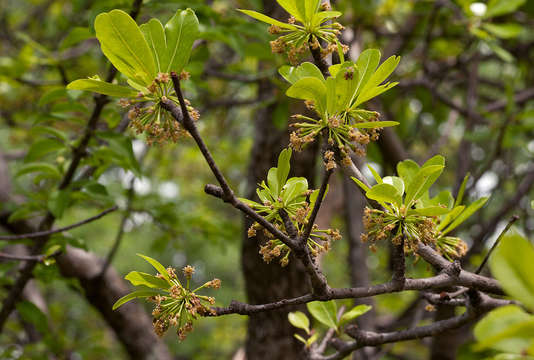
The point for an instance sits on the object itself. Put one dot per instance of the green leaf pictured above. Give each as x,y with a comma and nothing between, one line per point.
512,265
283,165
156,264
422,181
33,315
502,7
58,202
264,18
377,177
43,147
385,193
295,8
299,320
294,188
300,338
75,36
272,180
461,191
324,312
371,87
451,216
172,46
504,31
366,65
292,74
102,87
374,124
41,167
322,16
134,295
507,328
140,278
309,88
360,184
311,7
354,313
124,45
396,182
312,339
432,211
407,170
464,215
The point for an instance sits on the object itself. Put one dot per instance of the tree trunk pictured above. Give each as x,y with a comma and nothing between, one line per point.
270,335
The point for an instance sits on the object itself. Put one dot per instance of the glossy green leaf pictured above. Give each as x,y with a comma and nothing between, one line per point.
376,176
272,181
502,7
507,328
324,311
40,167
284,165
300,338
366,65
461,191
371,87
360,184
299,320
512,264
375,124
421,182
134,295
355,312
31,314
464,215
322,16
264,18
396,182
140,278
102,87
309,88
432,211
294,73
295,8
407,170
346,85
43,147
156,264
310,8
504,31
457,210
124,45
294,188
181,31
385,193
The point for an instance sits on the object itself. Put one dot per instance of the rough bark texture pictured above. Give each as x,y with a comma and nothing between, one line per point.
270,336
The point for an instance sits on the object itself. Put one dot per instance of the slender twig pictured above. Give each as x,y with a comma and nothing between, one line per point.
496,243
316,206
38,258
120,233
39,234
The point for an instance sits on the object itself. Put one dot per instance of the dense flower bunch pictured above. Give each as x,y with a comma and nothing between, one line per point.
294,198
176,304
309,23
182,305
148,115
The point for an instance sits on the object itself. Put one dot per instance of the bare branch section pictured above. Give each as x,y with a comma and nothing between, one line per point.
38,234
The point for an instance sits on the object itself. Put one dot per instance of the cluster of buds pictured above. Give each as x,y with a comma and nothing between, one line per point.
182,305
410,230
329,161
318,242
147,115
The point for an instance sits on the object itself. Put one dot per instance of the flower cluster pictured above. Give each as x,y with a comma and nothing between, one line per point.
318,242
304,30
148,116
411,229
182,305
342,129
